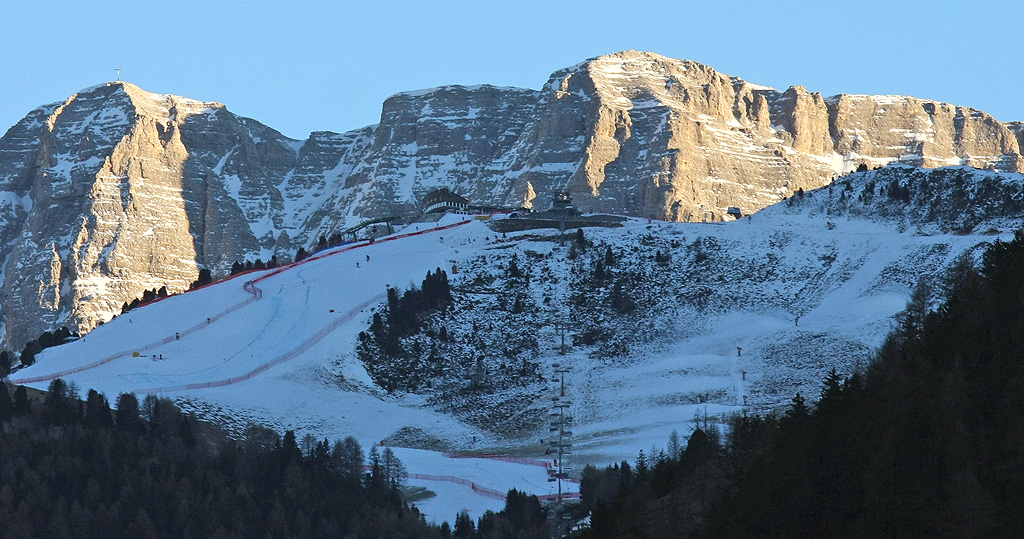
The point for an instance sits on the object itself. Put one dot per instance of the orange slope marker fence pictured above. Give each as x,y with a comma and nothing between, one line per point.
291,354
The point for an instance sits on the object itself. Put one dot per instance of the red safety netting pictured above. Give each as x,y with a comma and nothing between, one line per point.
255,295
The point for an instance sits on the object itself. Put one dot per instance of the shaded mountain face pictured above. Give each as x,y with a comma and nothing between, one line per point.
117,190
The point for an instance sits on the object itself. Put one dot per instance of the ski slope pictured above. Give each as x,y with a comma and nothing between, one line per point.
257,347
277,346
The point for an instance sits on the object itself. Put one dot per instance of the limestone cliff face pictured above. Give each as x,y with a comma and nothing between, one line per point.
923,133
674,139
117,190
641,134
1017,128
452,136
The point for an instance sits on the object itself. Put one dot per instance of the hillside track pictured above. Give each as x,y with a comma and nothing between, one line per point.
255,294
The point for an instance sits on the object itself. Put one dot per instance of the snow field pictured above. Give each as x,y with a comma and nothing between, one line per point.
244,333
843,284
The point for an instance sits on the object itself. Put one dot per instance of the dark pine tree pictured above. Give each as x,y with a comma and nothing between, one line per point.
22,406
58,407
6,404
464,528
513,268
621,301
205,278
127,417
28,354
97,411
600,274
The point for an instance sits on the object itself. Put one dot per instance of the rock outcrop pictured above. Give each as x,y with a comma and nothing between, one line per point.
641,134
117,190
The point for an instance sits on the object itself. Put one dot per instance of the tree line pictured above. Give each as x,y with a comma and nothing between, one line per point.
381,348
70,468
28,354
78,469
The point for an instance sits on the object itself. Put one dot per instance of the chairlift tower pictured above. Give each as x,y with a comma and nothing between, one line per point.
560,329
560,372
560,425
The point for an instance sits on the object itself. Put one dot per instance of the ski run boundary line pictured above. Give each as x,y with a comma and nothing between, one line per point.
485,491
289,355
143,348
255,295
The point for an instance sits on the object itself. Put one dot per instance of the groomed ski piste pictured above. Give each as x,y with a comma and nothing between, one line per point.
256,347
276,347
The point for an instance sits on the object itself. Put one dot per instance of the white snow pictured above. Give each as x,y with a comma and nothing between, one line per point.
325,297
11,199
281,351
452,87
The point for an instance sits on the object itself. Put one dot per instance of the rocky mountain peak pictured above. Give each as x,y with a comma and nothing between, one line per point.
165,104
113,192
118,190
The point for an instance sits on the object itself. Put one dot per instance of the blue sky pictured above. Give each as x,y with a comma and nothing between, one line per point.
317,65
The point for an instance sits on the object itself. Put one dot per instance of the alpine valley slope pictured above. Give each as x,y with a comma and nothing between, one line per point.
807,285
117,190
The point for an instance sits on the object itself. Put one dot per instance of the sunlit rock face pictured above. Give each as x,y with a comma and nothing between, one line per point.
117,190
674,139
642,134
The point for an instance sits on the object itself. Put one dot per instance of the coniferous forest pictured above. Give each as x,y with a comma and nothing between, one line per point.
77,469
928,441
381,350
74,469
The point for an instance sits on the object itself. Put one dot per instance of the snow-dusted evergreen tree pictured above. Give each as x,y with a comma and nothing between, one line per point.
675,446
392,467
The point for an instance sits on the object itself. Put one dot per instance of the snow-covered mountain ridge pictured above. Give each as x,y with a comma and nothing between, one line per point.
118,190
